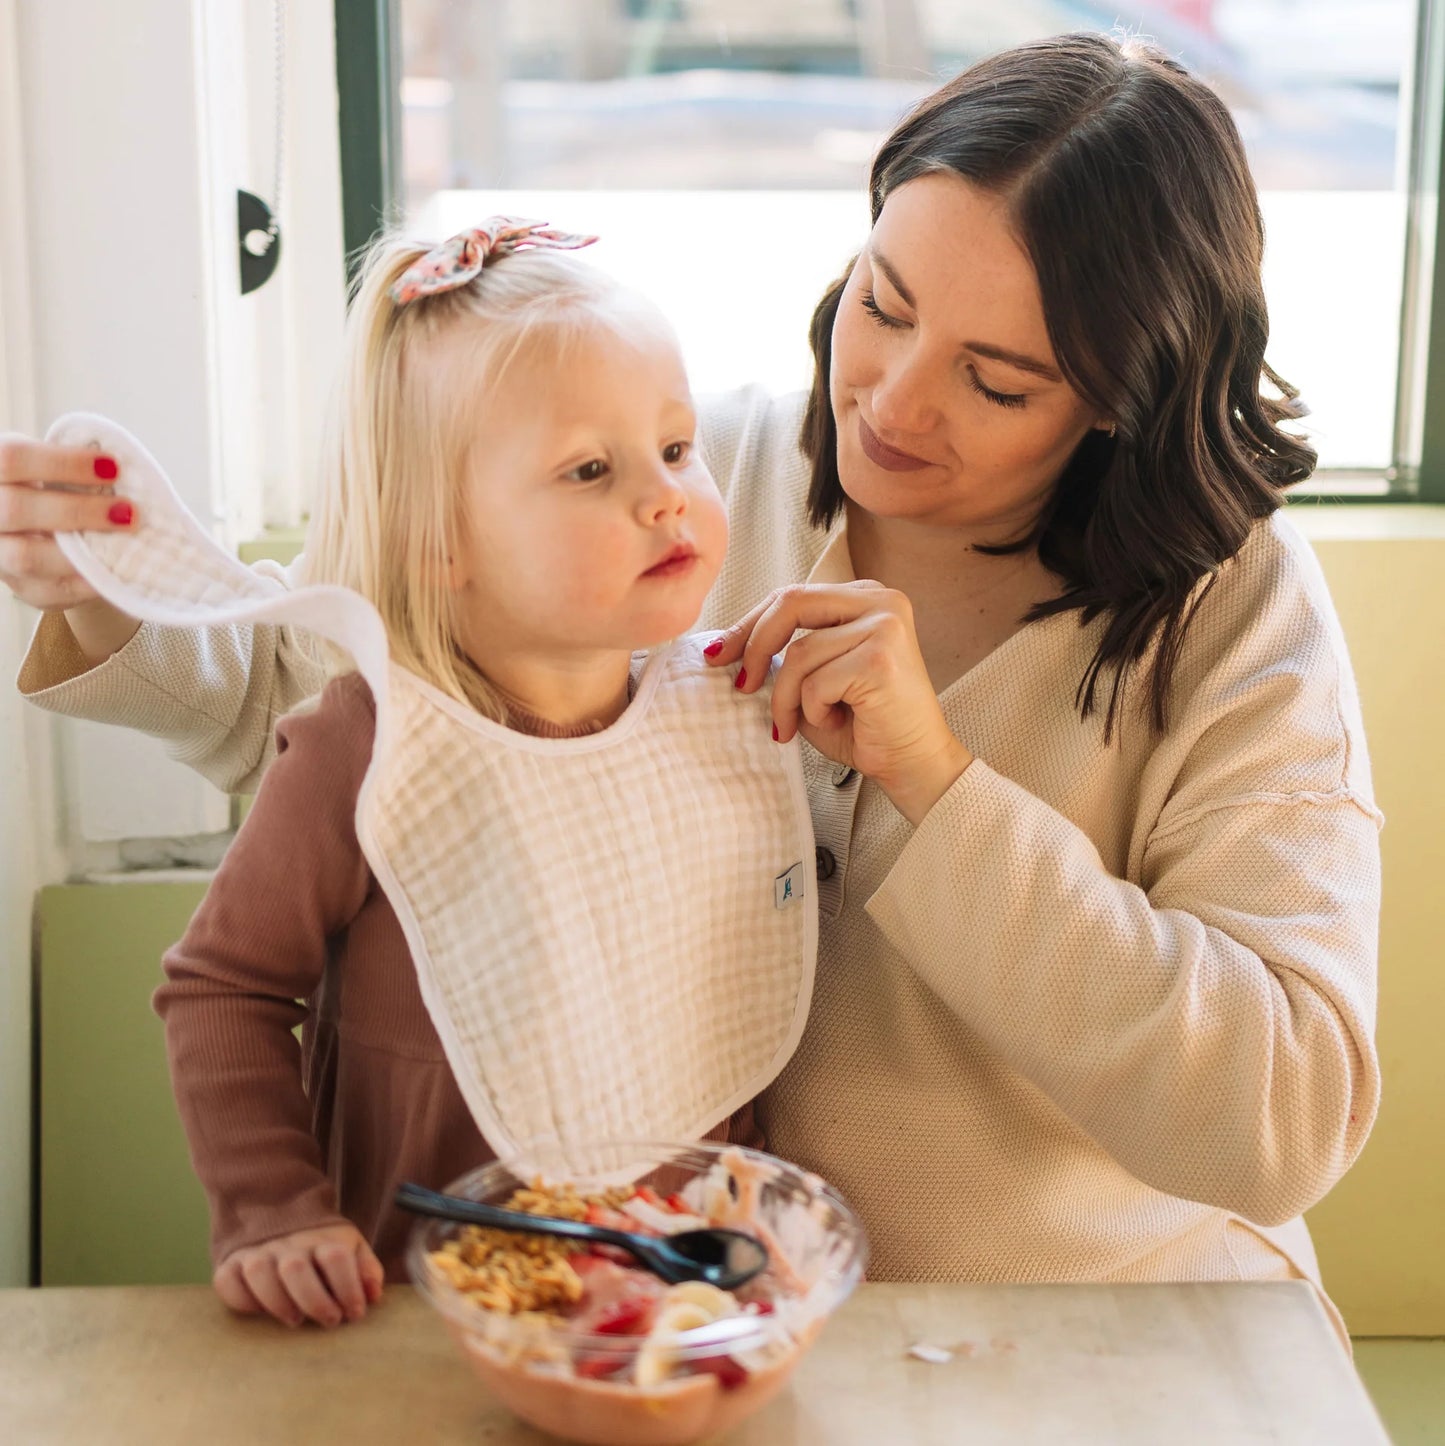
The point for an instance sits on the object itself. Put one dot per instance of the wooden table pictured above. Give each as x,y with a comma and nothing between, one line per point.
1158,1365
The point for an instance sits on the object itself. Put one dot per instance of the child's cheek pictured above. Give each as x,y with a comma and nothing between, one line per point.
601,570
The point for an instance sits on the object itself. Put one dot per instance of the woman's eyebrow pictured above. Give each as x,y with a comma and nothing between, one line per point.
1014,359
1017,359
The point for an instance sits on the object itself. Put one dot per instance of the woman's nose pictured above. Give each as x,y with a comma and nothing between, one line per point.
904,398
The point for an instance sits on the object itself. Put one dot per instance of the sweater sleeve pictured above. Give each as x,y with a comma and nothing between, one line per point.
1209,1027
293,879
214,695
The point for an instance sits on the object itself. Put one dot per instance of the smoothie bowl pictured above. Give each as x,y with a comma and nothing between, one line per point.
582,1342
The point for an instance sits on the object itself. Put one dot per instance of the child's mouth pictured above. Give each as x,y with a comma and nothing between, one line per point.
677,562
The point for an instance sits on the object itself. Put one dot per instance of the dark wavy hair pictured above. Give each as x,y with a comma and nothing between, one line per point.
1127,184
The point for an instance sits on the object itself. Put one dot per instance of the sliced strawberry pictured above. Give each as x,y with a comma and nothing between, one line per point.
586,1261
676,1203
630,1316
730,1373
646,1192
595,1368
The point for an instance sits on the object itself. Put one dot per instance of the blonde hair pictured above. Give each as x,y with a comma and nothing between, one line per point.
390,507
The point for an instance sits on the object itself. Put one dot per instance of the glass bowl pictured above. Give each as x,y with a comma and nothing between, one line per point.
666,1381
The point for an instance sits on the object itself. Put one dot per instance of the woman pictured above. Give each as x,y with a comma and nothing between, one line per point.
1098,858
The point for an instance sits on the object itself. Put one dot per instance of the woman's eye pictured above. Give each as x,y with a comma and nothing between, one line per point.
870,305
999,399
592,471
676,452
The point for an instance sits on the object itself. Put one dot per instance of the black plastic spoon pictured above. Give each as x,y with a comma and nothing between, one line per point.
724,1258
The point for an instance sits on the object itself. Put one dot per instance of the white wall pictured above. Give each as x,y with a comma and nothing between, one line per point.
125,131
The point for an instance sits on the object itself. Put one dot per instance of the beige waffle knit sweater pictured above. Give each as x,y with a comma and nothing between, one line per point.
1107,1013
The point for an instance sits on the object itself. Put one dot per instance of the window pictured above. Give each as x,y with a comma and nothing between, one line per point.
692,134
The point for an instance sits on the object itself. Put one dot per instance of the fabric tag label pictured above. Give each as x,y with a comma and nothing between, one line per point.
788,886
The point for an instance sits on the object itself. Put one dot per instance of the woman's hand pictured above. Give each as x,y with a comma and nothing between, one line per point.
855,686
45,490
328,1275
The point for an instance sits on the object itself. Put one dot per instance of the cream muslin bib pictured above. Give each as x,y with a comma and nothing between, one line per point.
615,935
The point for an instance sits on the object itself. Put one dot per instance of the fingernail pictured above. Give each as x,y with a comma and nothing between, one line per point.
713,648
122,514
775,732
742,678
105,468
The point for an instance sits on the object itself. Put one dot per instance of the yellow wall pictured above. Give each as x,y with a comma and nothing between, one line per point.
1381,1232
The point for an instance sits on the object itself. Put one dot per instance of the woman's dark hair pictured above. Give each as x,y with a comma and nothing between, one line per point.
1128,187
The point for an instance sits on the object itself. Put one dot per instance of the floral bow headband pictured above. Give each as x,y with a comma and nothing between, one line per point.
461,259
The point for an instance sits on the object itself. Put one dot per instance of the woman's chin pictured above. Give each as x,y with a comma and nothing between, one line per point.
880,493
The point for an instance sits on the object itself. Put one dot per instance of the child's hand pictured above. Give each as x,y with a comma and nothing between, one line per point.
328,1275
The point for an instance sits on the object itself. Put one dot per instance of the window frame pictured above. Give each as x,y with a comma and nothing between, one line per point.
368,74
368,88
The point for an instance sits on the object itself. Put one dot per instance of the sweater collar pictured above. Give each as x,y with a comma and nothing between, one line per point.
835,562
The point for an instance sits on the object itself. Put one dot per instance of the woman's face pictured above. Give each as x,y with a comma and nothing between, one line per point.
950,406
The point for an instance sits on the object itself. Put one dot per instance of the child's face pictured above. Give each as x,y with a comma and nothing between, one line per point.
591,522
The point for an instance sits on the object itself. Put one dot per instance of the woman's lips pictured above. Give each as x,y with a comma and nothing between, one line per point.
678,561
882,455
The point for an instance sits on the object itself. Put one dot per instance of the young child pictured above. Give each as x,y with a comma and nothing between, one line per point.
519,883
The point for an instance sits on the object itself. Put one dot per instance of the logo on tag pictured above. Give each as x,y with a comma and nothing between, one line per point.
788,886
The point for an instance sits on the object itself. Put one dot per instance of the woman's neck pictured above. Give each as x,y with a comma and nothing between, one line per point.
965,602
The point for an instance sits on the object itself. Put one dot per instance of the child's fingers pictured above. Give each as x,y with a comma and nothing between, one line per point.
234,1292
373,1276
337,1263
263,1279
304,1285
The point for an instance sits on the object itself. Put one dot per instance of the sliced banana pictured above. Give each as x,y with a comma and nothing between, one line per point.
718,1303
684,1308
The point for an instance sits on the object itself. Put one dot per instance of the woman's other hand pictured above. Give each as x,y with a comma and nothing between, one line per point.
45,490
328,1274
854,685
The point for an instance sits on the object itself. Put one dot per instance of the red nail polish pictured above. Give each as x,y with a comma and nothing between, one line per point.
713,648
122,514
742,678
105,468
775,732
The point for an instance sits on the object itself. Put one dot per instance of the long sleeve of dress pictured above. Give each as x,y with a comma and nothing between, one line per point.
257,948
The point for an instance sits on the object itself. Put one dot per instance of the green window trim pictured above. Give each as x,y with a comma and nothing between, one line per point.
1420,410
368,85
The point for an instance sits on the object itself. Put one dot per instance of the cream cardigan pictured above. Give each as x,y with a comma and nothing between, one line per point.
1107,1013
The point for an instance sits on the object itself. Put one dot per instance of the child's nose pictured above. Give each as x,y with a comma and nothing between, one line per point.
664,497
